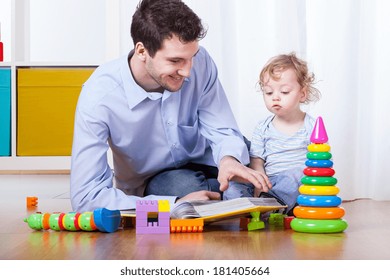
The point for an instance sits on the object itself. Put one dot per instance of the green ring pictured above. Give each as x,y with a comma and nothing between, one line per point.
319,155
319,181
318,226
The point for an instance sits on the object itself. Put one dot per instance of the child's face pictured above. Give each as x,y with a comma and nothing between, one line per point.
284,96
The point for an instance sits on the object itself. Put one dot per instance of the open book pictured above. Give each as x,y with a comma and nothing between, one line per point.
213,210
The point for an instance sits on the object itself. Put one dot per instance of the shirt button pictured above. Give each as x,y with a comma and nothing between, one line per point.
169,123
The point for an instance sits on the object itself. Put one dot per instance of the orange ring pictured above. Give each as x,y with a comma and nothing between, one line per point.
320,213
45,221
92,223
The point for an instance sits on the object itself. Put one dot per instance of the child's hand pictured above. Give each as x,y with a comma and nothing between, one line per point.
266,186
232,170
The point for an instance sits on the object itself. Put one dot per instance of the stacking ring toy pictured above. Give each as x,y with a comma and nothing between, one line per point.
319,213
319,163
319,200
319,155
318,226
318,190
318,147
320,181
312,171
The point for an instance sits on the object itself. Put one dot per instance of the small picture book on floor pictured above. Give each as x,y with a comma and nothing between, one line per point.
212,210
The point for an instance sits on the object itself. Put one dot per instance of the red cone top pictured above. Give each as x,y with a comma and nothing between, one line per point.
319,136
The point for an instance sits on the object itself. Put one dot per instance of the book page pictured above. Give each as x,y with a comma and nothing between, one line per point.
196,209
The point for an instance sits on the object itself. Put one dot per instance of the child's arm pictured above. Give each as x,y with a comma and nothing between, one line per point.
258,165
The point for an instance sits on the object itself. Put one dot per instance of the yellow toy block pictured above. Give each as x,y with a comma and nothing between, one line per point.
163,206
46,103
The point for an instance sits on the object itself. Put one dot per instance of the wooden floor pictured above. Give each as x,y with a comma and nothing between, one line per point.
366,238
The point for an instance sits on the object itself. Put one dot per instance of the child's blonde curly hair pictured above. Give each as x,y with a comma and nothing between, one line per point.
290,61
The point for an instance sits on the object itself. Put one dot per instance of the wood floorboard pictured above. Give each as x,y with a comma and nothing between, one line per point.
366,238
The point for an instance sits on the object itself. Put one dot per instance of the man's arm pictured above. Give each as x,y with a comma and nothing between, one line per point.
91,184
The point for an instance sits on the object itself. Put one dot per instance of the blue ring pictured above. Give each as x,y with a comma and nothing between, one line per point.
319,200
319,163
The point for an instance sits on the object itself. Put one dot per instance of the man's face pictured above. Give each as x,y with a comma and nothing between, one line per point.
172,63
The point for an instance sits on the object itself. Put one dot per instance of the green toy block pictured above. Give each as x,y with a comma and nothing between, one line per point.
255,222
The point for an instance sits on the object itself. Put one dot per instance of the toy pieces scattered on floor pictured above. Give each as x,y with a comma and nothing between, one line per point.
275,220
101,219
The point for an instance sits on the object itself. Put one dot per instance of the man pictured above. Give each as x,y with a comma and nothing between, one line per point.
165,116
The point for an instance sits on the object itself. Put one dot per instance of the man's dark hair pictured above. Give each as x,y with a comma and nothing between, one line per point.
157,20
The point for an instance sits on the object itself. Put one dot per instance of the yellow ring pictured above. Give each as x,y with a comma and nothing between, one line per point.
318,190
318,148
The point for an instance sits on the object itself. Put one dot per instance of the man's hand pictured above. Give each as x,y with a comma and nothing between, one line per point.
201,195
232,170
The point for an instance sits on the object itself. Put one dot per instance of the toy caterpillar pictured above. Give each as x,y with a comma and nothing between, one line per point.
100,219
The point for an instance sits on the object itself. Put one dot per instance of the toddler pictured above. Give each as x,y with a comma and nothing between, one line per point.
279,143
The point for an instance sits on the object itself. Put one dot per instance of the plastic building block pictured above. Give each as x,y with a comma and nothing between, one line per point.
101,219
163,206
255,222
31,201
128,222
1,49
146,206
152,217
287,221
187,225
244,223
276,219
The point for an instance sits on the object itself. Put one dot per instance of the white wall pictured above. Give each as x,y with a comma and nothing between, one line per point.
67,31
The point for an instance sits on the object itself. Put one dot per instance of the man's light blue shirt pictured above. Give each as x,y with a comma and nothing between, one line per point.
147,132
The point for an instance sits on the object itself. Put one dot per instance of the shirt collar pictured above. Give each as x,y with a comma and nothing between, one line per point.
134,93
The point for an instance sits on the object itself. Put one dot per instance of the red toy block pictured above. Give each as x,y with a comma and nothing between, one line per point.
244,223
287,221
